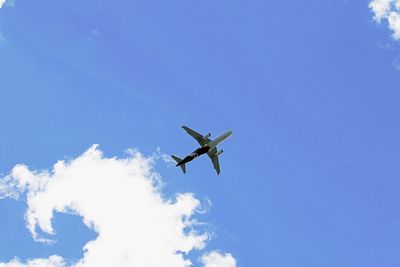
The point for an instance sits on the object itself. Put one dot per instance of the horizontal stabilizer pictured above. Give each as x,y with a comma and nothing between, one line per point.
178,160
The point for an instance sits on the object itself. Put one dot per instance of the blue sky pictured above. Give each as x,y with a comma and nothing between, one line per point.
310,89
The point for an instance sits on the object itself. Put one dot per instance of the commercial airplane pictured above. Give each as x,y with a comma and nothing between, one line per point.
207,146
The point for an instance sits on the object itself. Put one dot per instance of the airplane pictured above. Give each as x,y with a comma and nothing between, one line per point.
207,146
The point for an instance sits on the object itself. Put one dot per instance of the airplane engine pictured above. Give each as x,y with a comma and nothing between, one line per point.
206,136
219,152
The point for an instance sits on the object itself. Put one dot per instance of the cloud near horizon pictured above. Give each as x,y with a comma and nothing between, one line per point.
389,11
120,199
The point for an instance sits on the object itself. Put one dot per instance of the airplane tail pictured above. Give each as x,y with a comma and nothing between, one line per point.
178,160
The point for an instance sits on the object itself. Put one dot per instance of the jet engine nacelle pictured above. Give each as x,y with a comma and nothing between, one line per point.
219,152
206,136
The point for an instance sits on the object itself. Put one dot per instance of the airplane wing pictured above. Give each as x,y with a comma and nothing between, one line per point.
215,163
214,159
199,138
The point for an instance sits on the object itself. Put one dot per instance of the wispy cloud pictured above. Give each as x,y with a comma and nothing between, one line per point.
93,35
119,198
388,11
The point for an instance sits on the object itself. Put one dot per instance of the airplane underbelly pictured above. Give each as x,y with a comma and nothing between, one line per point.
188,158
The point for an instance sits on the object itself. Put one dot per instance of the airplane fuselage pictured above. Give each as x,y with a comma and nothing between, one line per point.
198,152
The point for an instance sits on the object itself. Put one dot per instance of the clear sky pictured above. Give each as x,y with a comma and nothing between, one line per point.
309,87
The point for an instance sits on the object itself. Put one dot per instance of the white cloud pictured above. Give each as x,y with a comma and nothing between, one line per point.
389,11
381,8
119,198
7,3
218,259
394,24
53,261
